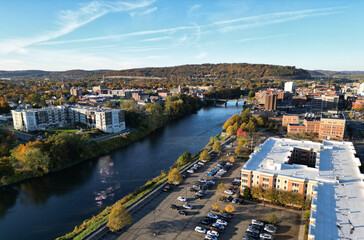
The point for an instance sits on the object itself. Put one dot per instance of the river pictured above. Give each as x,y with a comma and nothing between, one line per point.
48,207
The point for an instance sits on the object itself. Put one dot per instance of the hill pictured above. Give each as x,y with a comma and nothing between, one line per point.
189,72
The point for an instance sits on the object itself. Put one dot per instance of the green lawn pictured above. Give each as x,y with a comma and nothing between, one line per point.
65,130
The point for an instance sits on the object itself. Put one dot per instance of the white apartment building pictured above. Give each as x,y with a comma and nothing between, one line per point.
290,87
107,120
361,89
326,172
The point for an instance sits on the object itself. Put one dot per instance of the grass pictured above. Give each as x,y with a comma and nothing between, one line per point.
63,130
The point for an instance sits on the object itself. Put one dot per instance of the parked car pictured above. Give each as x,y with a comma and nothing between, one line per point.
210,237
200,229
215,179
221,222
257,222
193,190
191,171
217,226
255,226
251,229
201,180
238,200
252,234
213,233
173,206
229,192
202,192
211,215
270,228
197,196
201,163
266,236
182,212
182,199
246,237
188,206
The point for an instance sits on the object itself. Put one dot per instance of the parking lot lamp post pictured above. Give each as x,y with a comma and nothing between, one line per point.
155,226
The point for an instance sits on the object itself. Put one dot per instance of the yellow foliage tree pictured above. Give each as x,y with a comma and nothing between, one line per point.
174,176
232,159
229,208
118,218
215,205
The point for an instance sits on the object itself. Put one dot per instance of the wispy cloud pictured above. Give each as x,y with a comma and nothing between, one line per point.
148,11
263,38
70,20
155,39
194,8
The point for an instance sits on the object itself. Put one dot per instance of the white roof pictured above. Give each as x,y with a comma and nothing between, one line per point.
340,188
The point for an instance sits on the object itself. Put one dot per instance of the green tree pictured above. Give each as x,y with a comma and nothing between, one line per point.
184,159
239,150
270,195
174,176
6,168
257,192
307,214
272,219
247,193
108,104
230,131
204,155
260,122
118,218
30,158
217,147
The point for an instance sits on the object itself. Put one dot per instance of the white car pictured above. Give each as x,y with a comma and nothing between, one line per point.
229,192
250,229
202,180
266,236
182,199
188,206
210,237
270,228
200,229
257,222
210,182
212,233
221,222
221,227
211,215
190,171
201,163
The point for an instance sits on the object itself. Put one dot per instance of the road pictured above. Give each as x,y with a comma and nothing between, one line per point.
156,220
103,138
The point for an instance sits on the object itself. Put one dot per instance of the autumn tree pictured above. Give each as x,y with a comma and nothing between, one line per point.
73,99
232,159
204,155
229,208
220,188
272,219
239,150
184,159
217,147
174,176
215,206
118,218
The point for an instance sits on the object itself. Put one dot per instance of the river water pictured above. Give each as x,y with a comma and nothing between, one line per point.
48,207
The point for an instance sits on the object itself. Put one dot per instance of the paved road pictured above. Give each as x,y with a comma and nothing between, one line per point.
103,138
157,217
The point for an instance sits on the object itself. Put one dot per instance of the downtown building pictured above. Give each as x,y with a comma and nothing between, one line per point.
106,120
327,173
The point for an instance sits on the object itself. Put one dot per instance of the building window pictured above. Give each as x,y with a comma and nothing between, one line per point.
265,185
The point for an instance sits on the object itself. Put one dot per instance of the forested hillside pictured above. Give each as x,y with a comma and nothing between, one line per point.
223,71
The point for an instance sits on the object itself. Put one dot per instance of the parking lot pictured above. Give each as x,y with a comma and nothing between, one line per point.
156,220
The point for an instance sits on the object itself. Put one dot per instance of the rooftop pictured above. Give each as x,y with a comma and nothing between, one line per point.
340,186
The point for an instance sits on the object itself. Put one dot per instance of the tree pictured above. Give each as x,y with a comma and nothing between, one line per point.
204,155
174,176
155,116
215,205
223,158
220,188
232,159
247,193
230,131
270,195
229,208
211,142
217,147
307,214
73,99
108,104
184,159
118,218
257,192
239,150
272,219
260,122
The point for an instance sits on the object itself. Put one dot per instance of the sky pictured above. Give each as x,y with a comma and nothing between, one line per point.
103,34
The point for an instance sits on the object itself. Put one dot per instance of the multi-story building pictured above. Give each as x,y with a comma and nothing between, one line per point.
107,120
270,102
326,172
325,103
290,87
290,119
361,89
328,126
76,91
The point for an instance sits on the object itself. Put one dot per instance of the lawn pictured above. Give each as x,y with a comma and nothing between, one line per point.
64,129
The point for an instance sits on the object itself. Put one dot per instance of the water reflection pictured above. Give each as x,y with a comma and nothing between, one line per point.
48,207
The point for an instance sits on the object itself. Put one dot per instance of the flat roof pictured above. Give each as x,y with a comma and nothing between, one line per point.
340,185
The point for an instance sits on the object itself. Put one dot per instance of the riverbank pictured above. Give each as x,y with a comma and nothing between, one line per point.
39,158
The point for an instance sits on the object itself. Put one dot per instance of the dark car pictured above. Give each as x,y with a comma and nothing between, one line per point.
251,234
230,198
197,196
185,213
207,221
246,237
256,226
193,190
173,206
167,188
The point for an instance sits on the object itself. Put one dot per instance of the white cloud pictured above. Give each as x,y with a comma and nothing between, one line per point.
70,20
194,8
154,39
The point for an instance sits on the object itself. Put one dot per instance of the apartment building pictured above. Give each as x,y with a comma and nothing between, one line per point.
326,172
327,126
290,119
270,102
290,87
107,120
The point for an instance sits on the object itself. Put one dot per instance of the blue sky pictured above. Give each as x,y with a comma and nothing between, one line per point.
72,34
